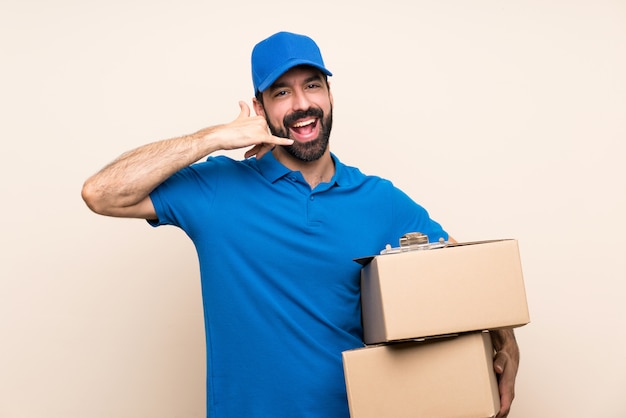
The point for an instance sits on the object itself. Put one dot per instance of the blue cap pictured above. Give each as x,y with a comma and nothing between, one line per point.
273,56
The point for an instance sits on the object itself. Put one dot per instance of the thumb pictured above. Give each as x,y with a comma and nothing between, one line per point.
245,110
499,362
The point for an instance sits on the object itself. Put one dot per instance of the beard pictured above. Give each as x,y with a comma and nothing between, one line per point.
311,150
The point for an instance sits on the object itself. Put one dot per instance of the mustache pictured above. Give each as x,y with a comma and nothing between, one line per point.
291,118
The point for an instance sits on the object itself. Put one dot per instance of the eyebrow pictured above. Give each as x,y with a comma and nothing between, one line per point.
314,77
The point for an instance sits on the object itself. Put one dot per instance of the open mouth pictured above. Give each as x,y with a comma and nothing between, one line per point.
305,130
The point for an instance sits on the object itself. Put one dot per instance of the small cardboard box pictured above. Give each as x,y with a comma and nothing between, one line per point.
459,288
449,377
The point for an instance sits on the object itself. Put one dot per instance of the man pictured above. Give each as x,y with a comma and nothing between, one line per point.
276,236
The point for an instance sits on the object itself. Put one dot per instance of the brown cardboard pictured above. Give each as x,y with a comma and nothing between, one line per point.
460,288
442,378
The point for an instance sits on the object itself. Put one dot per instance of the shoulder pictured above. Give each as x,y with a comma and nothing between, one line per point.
377,188
222,161
220,164
348,175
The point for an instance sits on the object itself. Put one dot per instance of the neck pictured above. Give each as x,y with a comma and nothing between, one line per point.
314,172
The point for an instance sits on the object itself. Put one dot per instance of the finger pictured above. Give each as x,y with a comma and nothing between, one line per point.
499,362
261,149
244,110
506,378
279,140
505,406
506,401
253,151
264,149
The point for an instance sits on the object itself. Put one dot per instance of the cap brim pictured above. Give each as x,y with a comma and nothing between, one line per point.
274,75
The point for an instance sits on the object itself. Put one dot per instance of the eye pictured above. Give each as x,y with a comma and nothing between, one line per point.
280,93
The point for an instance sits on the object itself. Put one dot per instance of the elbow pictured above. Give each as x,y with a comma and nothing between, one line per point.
93,198
108,201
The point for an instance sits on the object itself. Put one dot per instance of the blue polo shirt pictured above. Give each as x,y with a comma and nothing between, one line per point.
280,288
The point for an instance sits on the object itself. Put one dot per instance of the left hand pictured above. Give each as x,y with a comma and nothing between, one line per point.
506,364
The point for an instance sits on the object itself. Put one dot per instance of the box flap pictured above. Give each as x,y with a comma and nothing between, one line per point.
368,259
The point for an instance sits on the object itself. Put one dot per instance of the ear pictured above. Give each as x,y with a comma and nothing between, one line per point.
258,107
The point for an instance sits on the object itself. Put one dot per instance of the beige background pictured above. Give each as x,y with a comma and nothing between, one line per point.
506,119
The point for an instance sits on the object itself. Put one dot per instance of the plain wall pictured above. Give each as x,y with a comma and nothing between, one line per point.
505,119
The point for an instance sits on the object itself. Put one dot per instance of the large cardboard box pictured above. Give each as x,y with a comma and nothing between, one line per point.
451,377
458,288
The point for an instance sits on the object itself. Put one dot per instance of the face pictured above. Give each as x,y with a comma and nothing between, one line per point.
299,106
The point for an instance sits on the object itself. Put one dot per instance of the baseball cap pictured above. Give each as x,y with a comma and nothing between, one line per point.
273,56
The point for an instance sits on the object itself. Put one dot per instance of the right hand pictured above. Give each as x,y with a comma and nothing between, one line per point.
246,131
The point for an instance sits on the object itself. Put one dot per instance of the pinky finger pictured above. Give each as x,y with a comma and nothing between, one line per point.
259,150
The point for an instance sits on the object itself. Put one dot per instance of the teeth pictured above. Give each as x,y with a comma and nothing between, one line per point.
303,123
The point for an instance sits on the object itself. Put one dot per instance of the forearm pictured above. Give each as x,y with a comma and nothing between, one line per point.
131,177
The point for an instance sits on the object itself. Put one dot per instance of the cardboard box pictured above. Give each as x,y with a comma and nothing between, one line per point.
459,288
451,377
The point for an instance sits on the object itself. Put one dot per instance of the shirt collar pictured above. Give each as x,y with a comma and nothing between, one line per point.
272,169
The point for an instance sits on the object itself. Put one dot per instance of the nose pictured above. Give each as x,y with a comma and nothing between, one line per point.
300,100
